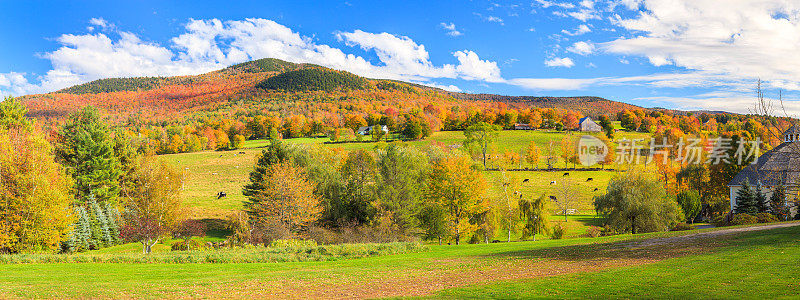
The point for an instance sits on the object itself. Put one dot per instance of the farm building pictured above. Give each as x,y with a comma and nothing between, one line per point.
365,130
586,124
779,166
522,126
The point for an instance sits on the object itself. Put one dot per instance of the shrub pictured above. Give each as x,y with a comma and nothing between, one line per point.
609,231
744,219
594,231
681,227
721,221
766,218
287,243
558,232
180,246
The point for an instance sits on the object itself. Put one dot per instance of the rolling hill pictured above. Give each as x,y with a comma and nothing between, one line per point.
263,81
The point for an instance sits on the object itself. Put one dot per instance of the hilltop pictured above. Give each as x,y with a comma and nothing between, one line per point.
257,83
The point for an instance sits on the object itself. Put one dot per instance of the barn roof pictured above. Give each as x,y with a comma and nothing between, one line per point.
780,165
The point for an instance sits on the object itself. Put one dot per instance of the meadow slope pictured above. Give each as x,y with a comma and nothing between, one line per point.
720,263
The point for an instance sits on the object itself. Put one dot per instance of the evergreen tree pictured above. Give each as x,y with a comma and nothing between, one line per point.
746,200
86,149
98,223
762,203
82,232
777,203
274,154
113,217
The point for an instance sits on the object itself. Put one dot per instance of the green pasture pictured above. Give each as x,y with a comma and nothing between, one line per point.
755,264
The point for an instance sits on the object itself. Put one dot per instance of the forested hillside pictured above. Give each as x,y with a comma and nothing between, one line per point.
269,97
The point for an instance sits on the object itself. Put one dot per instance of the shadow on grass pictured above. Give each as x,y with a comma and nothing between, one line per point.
666,247
216,228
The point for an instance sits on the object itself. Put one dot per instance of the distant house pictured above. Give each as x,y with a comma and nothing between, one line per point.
586,124
523,126
367,130
779,166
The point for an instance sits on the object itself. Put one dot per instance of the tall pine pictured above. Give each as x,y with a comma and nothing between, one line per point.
762,203
86,148
777,203
746,200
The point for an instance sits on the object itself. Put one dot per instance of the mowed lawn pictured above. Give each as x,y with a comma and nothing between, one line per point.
752,264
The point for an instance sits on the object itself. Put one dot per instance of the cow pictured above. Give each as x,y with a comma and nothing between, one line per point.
553,198
565,174
241,152
526,180
589,179
220,156
595,190
552,182
221,195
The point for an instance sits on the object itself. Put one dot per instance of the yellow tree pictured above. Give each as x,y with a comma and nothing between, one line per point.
34,192
568,152
153,203
287,198
458,187
532,154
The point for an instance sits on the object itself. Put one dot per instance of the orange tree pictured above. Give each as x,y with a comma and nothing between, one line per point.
287,198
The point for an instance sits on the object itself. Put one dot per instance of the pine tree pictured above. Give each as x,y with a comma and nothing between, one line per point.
82,232
746,200
99,236
113,217
86,149
777,203
761,200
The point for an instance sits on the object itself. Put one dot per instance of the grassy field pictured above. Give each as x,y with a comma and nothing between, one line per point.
210,172
694,264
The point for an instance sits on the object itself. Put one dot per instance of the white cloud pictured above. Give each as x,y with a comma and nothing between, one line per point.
581,48
471,67
559,62
546,4
494,19
582,29
451,29
99,22
208,45
738,39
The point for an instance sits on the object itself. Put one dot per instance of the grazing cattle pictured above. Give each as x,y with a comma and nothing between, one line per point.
242,152
553,198
526,180
552,182
565,174
595,190
589,179
220,156
221,195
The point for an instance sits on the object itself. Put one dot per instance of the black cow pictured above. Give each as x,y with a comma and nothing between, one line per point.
595,190
526,180
221,195
552,182
241,152
553,198
589,179
565,174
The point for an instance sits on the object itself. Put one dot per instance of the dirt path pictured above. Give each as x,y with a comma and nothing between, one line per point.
439,274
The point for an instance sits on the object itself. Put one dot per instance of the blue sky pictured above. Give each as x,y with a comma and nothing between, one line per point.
687,54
